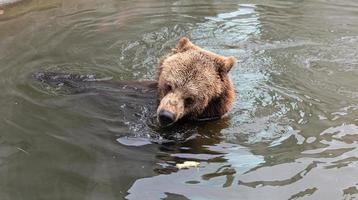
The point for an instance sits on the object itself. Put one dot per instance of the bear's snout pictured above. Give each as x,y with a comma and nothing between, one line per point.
166,117
170,109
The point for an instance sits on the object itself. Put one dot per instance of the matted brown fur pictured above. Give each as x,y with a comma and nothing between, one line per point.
194,83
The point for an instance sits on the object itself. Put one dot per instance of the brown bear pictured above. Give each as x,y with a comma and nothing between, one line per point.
193,83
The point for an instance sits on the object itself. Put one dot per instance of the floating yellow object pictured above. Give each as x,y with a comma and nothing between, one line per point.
188,164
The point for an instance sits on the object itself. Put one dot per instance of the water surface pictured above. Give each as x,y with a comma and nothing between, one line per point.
292,133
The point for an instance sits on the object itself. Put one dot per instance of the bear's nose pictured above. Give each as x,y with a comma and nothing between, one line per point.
166,117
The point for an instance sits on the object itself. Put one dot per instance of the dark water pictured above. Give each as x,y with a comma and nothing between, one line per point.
292,133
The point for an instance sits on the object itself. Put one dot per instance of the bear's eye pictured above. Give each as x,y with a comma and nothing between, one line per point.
167,88
188,101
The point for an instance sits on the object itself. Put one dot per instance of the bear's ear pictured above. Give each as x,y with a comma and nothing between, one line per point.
184,44
226,64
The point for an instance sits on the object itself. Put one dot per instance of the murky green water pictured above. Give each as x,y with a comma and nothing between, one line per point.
292,133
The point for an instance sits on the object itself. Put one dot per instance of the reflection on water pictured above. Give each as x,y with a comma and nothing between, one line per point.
291,134
214,179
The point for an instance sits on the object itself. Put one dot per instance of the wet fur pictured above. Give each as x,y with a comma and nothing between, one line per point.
220,96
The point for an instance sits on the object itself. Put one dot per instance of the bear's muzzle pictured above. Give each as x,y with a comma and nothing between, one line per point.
170,109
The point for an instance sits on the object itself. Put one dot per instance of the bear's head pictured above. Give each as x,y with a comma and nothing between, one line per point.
193,83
